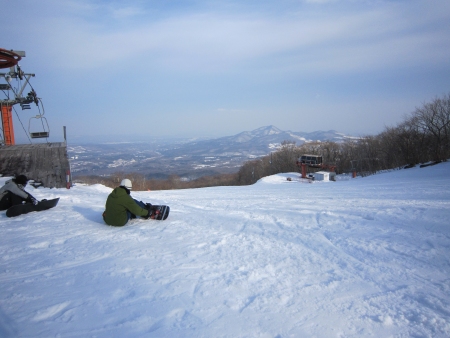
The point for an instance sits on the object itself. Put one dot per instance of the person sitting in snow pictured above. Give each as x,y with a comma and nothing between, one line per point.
13,192
120,207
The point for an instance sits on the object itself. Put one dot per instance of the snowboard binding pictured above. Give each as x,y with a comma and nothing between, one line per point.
158,212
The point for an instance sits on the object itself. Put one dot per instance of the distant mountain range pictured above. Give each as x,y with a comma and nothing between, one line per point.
273,134
189,159
257,142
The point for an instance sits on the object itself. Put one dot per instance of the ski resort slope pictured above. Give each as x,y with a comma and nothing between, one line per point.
364,257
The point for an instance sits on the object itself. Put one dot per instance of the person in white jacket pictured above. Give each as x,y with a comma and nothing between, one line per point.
13,192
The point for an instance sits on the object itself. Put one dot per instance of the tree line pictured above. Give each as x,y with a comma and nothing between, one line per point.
422,136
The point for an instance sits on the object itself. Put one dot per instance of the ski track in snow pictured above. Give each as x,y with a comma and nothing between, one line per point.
355,258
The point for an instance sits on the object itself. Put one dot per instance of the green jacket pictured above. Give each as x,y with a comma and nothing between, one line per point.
117,204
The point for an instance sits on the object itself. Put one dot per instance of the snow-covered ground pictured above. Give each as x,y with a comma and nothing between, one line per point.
364,257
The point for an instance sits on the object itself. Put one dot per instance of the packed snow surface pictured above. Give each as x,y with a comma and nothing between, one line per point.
363,257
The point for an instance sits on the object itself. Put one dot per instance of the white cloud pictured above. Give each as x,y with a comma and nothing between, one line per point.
86,35
347,40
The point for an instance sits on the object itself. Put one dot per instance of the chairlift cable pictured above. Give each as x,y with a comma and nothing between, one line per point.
42,105
22,125
41,116
6,93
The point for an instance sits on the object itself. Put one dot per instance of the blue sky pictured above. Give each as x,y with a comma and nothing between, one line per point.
145,69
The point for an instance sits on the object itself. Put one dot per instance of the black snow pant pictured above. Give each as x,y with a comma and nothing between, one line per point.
10,199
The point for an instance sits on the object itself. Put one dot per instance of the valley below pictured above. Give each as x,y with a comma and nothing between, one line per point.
189,159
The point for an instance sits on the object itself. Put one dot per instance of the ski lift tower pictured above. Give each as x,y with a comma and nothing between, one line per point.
316,163
10,59
46,163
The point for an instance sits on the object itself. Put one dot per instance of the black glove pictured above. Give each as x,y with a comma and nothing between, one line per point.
148,215
31,199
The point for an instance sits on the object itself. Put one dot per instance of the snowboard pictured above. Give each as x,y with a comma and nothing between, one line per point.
20,209
160,212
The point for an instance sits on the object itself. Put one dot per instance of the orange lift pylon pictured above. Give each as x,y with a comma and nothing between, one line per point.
7,122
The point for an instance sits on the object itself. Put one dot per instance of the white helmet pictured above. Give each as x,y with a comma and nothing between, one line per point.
126,183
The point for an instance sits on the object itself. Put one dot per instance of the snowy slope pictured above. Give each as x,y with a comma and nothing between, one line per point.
365,257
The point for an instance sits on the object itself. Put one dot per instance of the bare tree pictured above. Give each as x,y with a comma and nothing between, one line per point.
433,120
284,159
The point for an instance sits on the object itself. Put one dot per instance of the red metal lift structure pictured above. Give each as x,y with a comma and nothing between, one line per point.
9,59
313,161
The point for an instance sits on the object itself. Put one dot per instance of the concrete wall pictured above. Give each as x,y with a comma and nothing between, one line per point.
45,162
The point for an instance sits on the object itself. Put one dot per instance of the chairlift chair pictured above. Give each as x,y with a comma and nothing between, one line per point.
39,134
